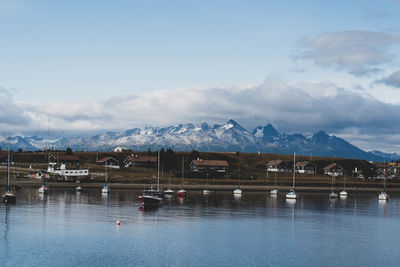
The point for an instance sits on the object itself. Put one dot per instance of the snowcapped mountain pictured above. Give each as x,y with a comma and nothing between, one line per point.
227,137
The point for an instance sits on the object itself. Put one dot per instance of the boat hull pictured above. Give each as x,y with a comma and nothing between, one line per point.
9,198
181,193
150,200
43,190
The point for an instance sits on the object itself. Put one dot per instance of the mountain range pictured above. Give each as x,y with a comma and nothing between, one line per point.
219,138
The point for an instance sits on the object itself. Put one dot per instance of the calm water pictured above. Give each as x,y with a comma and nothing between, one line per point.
68,228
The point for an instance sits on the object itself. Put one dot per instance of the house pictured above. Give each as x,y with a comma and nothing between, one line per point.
306,167
67,159
278,166
356,173
140,161
109,162
333,169
209,166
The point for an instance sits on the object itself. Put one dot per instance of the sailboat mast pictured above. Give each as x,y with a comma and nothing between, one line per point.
158,170
8,166
384,176
183,160
294,168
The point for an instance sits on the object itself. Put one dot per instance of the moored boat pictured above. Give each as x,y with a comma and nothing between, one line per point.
153,197
383,195
106,189
43,189
237,191
292,193
181,193
8,197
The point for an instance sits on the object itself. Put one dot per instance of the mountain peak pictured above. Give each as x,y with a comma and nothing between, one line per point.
233,124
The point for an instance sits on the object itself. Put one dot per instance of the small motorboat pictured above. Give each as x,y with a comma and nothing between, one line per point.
78,189
343,194
106,189
44,189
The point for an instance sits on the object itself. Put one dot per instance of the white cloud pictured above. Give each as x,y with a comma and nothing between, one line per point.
11,116
359,52
304,108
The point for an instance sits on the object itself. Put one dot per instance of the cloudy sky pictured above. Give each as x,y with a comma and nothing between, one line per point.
89,66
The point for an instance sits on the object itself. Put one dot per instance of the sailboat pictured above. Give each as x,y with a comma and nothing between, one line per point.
343,194
274,192
153,197
106,189
182,192
8,196
332,194
169,191
238,191
79,187
206,191
292,193
383,195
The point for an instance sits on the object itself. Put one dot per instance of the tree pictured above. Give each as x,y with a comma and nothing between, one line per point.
194,155
19,150
170,159
68,151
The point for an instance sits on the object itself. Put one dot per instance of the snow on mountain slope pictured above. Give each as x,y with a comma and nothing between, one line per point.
230,136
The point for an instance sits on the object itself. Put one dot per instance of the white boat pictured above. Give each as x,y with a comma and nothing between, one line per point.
78,188
44,189
237,191
383,195
169,192
292,193
207,192
274,192
333,195
106,189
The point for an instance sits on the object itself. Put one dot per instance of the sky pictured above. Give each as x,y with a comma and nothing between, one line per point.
81,67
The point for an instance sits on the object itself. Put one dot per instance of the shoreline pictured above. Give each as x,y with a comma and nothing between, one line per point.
198,187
